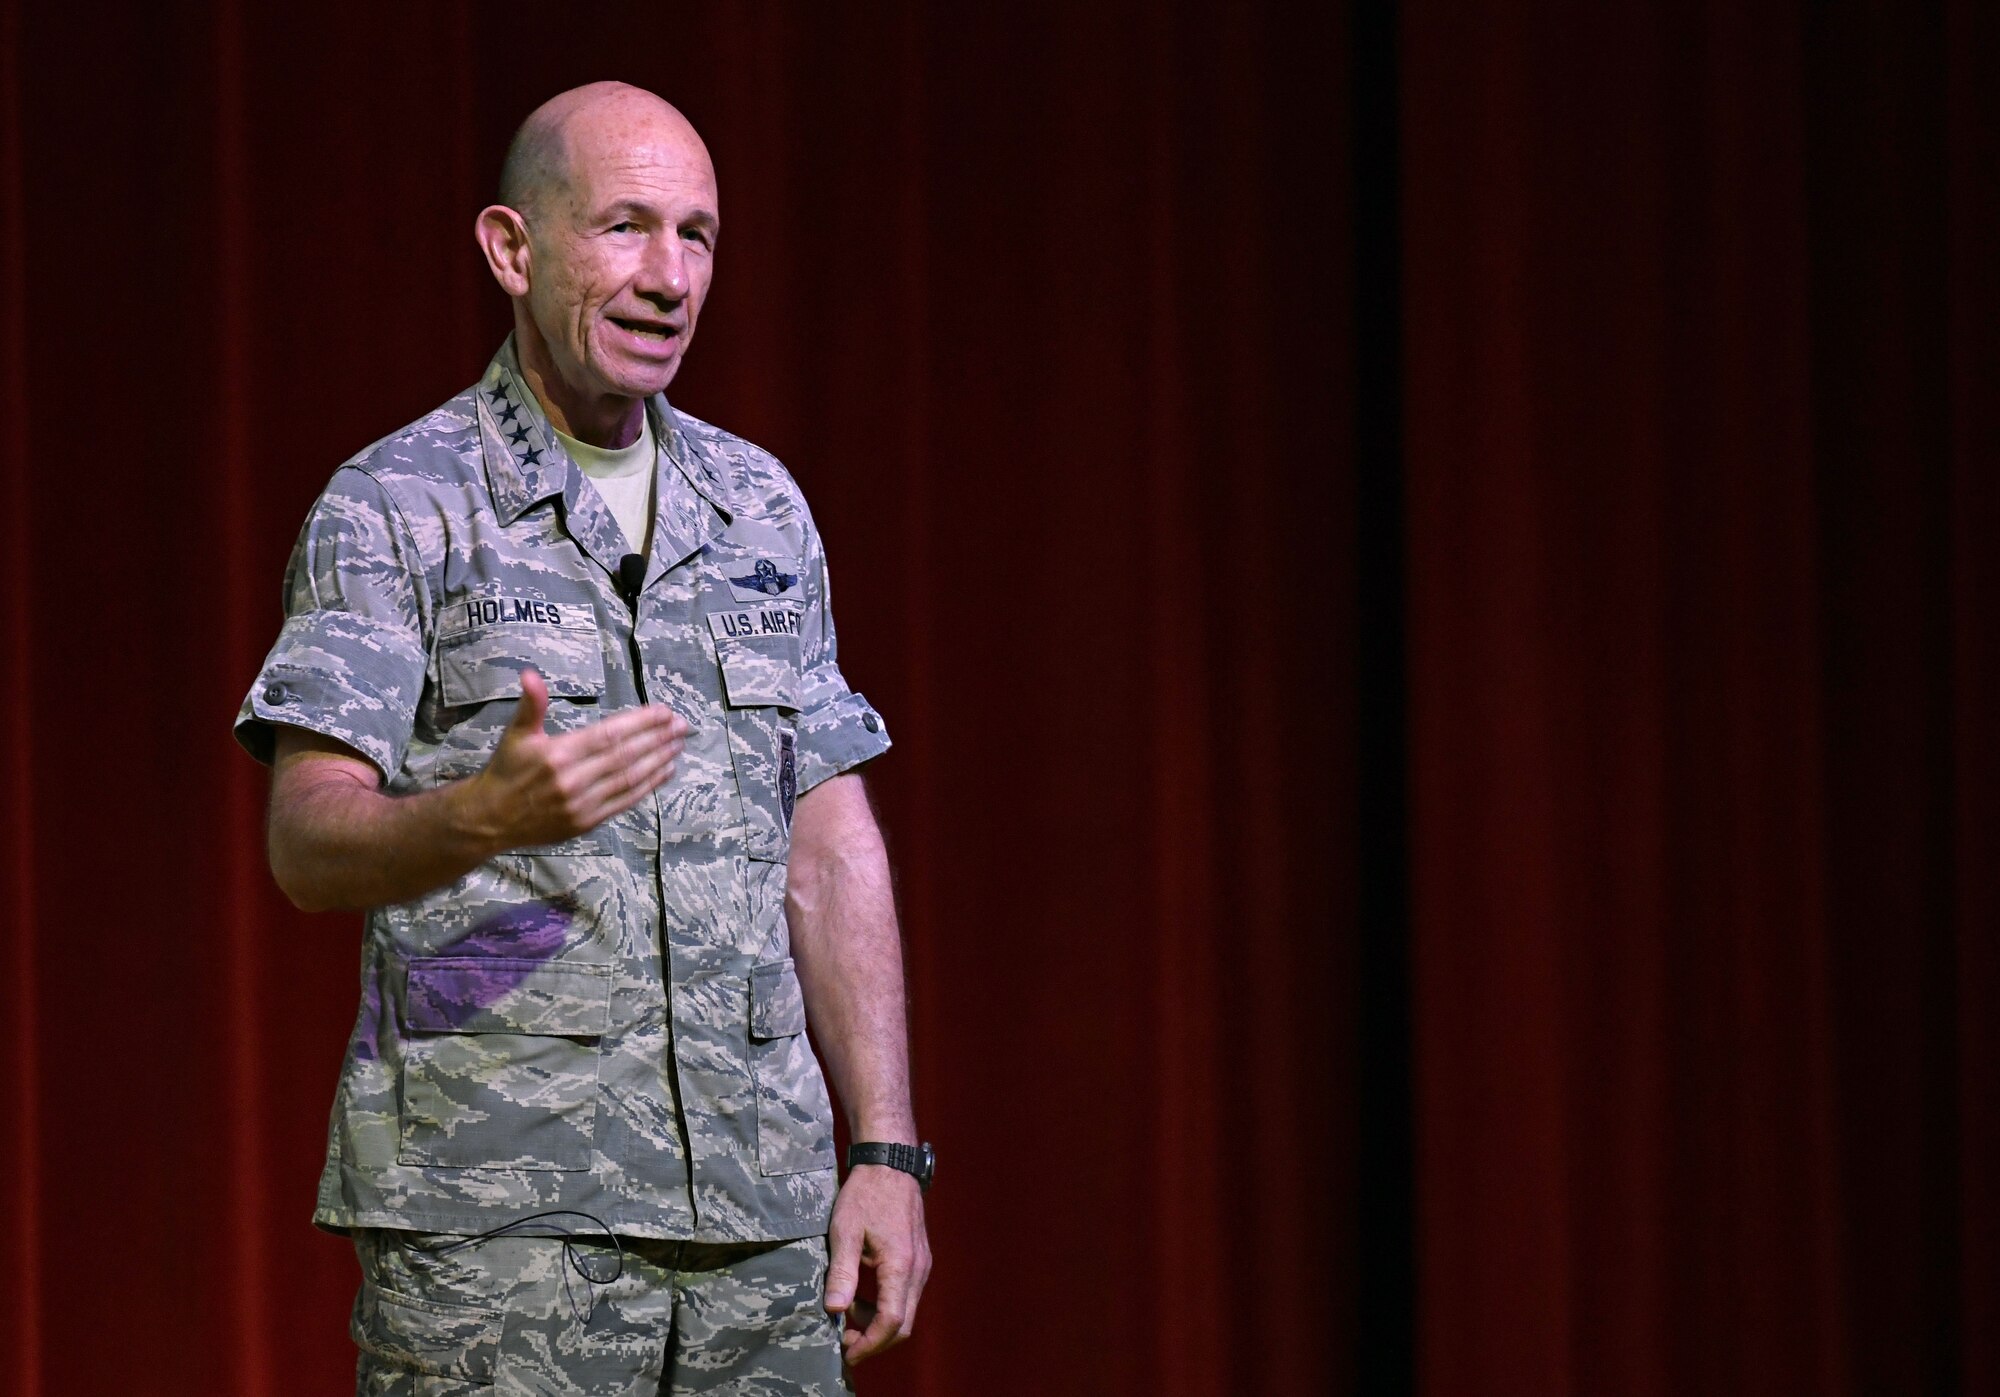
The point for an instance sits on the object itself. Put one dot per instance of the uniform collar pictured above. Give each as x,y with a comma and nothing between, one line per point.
525,464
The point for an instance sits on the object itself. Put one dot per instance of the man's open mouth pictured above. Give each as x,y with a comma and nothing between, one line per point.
653,330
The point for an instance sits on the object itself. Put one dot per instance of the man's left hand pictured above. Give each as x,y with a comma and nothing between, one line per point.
878,1221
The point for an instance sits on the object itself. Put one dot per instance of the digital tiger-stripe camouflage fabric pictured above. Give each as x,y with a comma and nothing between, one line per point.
511,1316
611,1024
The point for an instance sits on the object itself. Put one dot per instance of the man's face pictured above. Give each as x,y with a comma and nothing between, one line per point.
622,256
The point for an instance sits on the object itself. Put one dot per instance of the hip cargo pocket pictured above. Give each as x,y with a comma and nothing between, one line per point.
427,1336
500,1062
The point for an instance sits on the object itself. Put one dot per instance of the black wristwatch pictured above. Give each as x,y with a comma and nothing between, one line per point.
919,1160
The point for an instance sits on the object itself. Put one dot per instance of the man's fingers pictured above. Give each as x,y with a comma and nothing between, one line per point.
611,773
843,1269
892,1289
645,715
919,1274
621,736
884,1329
585,757
533,706
607,768
648,716
890,1321
624,787
860,1315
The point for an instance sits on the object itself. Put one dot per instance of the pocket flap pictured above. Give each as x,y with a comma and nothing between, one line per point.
777,1004
498,994
456,1341
759,671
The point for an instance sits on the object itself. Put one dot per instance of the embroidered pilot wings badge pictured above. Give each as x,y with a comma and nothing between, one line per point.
766,578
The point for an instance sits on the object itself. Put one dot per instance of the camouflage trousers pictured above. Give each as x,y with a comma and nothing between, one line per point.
512,1315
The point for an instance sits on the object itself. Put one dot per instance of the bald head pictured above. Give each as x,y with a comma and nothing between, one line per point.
604,237
543,155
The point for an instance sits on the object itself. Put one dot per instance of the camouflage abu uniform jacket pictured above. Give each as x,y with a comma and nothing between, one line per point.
611,1024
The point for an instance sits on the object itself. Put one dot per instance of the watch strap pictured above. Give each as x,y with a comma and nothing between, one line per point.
908,1158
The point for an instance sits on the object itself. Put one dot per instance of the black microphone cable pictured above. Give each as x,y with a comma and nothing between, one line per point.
572,1260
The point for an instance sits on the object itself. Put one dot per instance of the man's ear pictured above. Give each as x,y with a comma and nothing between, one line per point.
503,237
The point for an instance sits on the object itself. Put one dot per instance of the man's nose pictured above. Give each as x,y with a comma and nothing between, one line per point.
664,272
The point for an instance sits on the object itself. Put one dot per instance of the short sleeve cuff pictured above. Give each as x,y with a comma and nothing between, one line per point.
837,737
342,675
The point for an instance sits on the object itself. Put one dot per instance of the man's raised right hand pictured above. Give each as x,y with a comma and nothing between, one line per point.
543,788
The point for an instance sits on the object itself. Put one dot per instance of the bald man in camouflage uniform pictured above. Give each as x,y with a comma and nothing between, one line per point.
597,793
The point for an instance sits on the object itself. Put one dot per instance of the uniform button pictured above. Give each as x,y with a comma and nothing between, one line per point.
868,721
275,693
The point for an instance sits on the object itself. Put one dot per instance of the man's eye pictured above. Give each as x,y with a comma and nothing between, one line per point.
626,226
695,236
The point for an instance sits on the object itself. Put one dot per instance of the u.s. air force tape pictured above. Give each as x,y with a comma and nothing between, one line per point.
751,621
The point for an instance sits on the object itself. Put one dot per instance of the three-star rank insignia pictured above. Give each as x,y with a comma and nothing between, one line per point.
766,578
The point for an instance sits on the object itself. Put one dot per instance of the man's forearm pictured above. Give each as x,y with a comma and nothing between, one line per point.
849,955
339,843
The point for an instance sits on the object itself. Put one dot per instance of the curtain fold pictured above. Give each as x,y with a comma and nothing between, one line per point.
1972,212
22,1325
1696,367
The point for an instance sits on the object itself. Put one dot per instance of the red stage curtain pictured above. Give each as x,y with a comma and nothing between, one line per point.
1655,433
1045,308
1703,346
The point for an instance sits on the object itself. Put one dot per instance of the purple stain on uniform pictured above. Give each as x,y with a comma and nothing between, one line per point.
532,931
449,990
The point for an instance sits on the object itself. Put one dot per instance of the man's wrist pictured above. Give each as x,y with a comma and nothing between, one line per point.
915,1161
473,817
889,1130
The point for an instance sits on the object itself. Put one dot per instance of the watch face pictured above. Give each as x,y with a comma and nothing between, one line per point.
927,1161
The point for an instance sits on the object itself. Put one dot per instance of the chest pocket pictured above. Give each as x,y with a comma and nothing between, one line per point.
757,651
484,642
